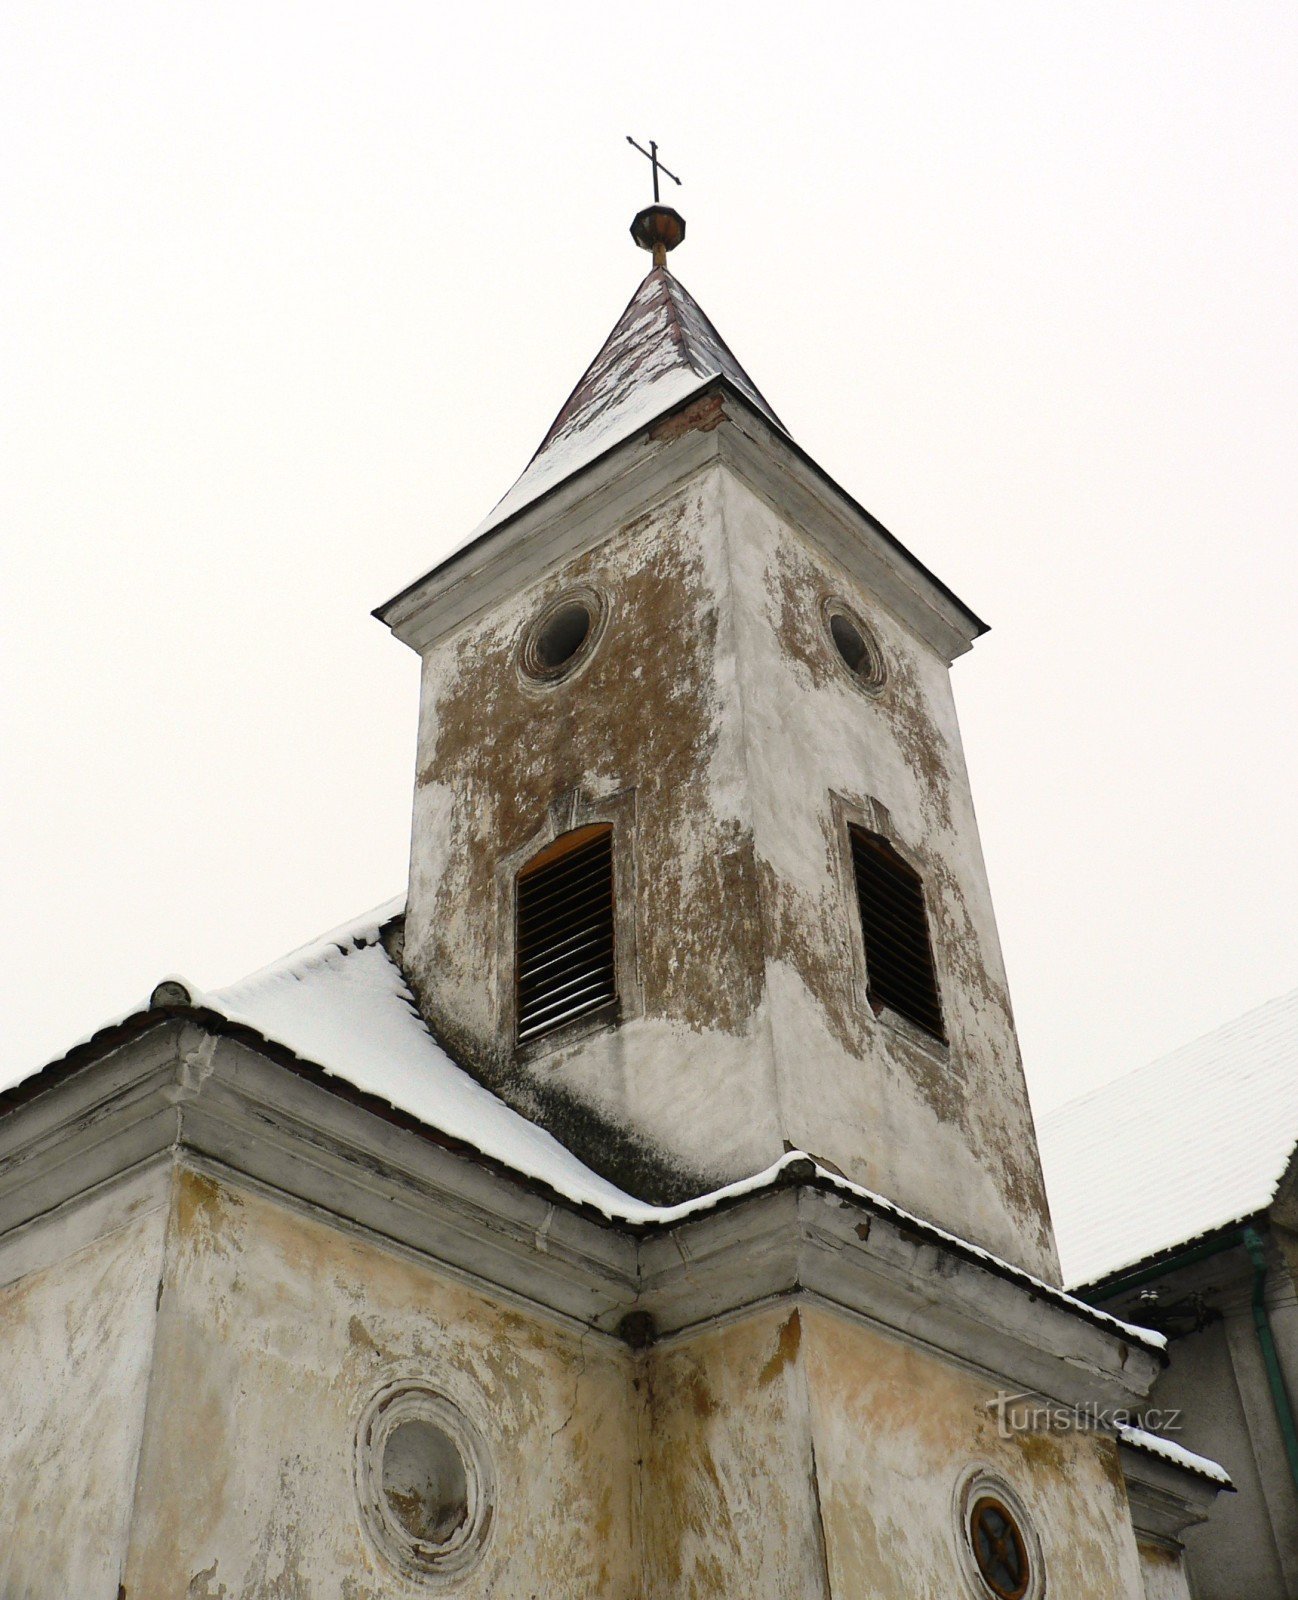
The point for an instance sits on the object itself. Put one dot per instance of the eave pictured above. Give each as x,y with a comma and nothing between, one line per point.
619,482
189,1087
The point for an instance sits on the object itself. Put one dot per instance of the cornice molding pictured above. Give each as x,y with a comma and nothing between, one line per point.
638,474
201,1097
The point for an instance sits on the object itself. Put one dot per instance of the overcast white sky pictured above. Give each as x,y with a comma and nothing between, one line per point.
290,293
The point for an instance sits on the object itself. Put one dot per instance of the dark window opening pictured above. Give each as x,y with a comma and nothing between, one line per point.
564,907
561,636
857,647
898,951
999,1550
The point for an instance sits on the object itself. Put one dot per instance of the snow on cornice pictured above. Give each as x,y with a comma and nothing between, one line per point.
342,1005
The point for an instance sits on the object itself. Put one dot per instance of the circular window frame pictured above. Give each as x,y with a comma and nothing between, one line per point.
533,668
421,1560
977,1484
873,681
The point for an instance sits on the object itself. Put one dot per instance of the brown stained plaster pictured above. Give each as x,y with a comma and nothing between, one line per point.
808,932
788,1341
200,1585
643,708
1110,1459
206,1211
1158,1555
688,1502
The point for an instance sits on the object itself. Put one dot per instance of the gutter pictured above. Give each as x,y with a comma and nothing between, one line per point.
1252,1242
1244,1235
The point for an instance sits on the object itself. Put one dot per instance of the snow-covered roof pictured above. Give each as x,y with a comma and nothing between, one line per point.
341,1004
1158,1444
662,350
1177,1148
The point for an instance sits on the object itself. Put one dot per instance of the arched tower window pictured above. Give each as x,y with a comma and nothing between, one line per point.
894,921
565,961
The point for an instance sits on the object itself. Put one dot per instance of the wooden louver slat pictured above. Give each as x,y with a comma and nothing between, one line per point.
565,964
898,950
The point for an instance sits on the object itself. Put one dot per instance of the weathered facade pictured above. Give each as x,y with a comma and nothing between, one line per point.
715,726
225,1266
346,1282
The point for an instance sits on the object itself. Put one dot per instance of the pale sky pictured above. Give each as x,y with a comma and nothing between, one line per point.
290,293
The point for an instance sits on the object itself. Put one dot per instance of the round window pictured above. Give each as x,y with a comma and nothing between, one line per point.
563,635
999,1550
854,644
424,1482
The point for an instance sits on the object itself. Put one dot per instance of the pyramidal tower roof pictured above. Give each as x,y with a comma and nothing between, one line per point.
662,350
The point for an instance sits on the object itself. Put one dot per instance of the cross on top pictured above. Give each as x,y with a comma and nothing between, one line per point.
652,154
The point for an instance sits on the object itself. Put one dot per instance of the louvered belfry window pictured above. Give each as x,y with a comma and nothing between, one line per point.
565,959
898,951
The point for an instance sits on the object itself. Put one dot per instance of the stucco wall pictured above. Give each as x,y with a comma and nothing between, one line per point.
946,1131
790,1451
652,712
275,1329
894,1431
729,1474
1164,1573
717,729
77,1340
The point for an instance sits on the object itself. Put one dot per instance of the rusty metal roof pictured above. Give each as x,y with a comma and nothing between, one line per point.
662,330
662,349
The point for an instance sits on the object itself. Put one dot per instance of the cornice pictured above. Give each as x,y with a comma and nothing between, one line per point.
635,475
1165,1498
195,1094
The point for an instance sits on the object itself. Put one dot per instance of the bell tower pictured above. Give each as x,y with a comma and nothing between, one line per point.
695,876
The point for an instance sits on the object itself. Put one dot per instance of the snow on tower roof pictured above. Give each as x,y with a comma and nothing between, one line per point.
1175,1149
662,353
662,350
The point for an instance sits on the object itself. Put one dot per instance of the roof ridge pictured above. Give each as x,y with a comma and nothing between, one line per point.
676,323
681,301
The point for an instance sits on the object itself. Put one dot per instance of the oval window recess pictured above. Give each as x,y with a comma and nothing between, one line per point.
423,1478
563,636
999,1549
854,644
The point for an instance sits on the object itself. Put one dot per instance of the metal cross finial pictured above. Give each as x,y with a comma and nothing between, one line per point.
652,154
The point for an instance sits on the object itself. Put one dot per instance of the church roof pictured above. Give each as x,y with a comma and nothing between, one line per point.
662,350
1175,1149
341,1005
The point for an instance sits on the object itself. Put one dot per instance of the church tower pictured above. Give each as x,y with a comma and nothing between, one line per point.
695,875
292,1304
